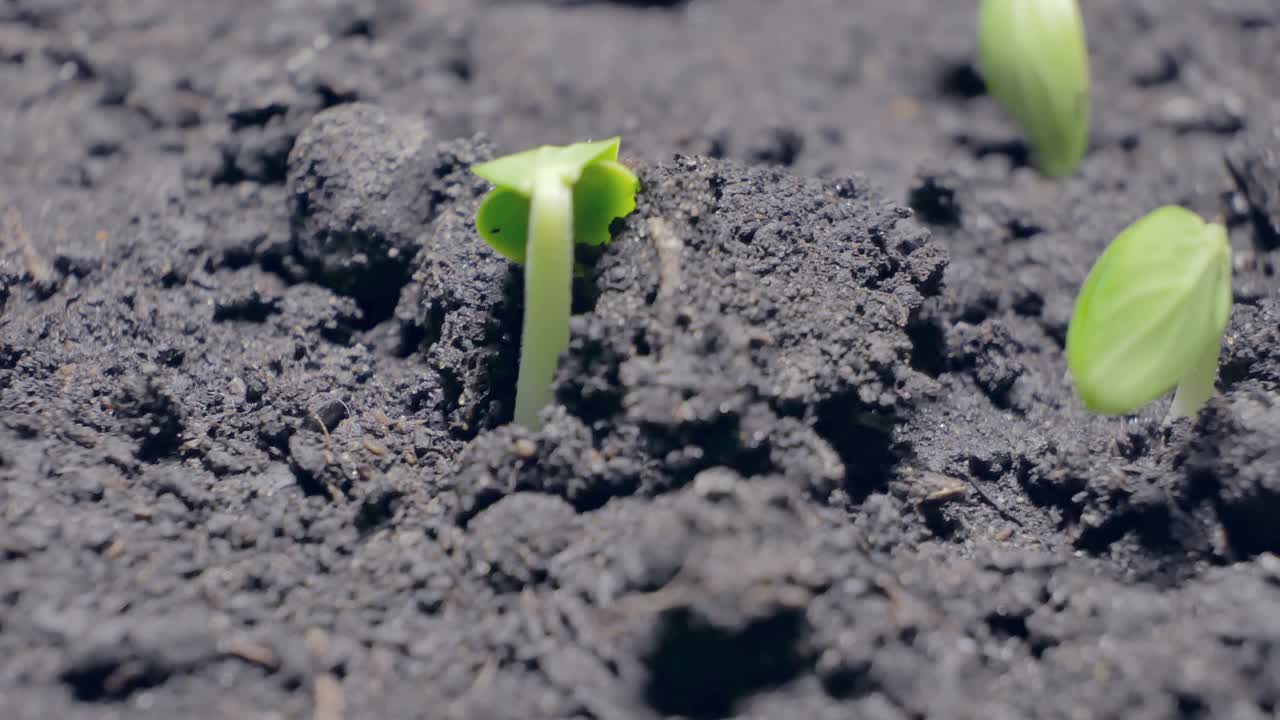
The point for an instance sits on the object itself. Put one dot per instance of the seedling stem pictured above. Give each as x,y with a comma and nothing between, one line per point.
544,201
548,293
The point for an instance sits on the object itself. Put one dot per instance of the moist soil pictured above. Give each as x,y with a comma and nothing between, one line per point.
814,453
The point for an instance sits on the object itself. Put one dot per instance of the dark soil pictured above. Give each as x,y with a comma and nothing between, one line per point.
814,452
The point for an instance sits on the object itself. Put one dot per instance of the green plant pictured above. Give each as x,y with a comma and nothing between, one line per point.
1151,315
1035,62
545,200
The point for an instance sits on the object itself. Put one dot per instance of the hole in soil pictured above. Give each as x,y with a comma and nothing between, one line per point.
1162,70
375,288
780,146
377,509
1249,21
1058,492
586,288
351,23
460,67
255,116
961,80
942,527
690,449
378,307
151,417
1234,370
9,355
267,164
1152,526
863,440
1191,707
251,309
112,679
1250,523
928,347
1023,229
309,483
413,335
1008,626
850,683
1028,303
934,200
1266,235
1017,151
701,672
330,97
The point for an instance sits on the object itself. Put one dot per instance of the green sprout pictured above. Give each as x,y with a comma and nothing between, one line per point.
1035,62
1151,315
545,200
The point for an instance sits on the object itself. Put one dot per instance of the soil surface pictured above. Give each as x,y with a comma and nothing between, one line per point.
814,452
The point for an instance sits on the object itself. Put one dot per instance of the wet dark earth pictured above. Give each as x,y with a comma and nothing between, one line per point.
814,453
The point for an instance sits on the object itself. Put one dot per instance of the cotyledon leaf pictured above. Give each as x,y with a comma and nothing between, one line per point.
1151,312
1035,61
606,190
518,171
603,189
503,222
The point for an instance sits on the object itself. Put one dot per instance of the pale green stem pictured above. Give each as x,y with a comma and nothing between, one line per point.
1197,386
548,295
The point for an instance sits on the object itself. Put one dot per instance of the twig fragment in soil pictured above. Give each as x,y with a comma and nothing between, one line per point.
252,653
669,248
937,490
16,237
335,493
330,701
940,490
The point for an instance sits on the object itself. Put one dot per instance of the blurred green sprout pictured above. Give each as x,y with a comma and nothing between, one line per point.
1151,316
545,200
1035,62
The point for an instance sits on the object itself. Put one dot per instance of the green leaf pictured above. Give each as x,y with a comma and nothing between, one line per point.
606,190
603,189
503,222
517,172
1151,312
1035,62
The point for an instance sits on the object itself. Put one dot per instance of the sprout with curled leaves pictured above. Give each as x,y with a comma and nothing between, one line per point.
1035,62
1151,315
545,200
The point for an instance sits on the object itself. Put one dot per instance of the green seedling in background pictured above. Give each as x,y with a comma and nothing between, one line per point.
1035,62
1151,315
547,199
